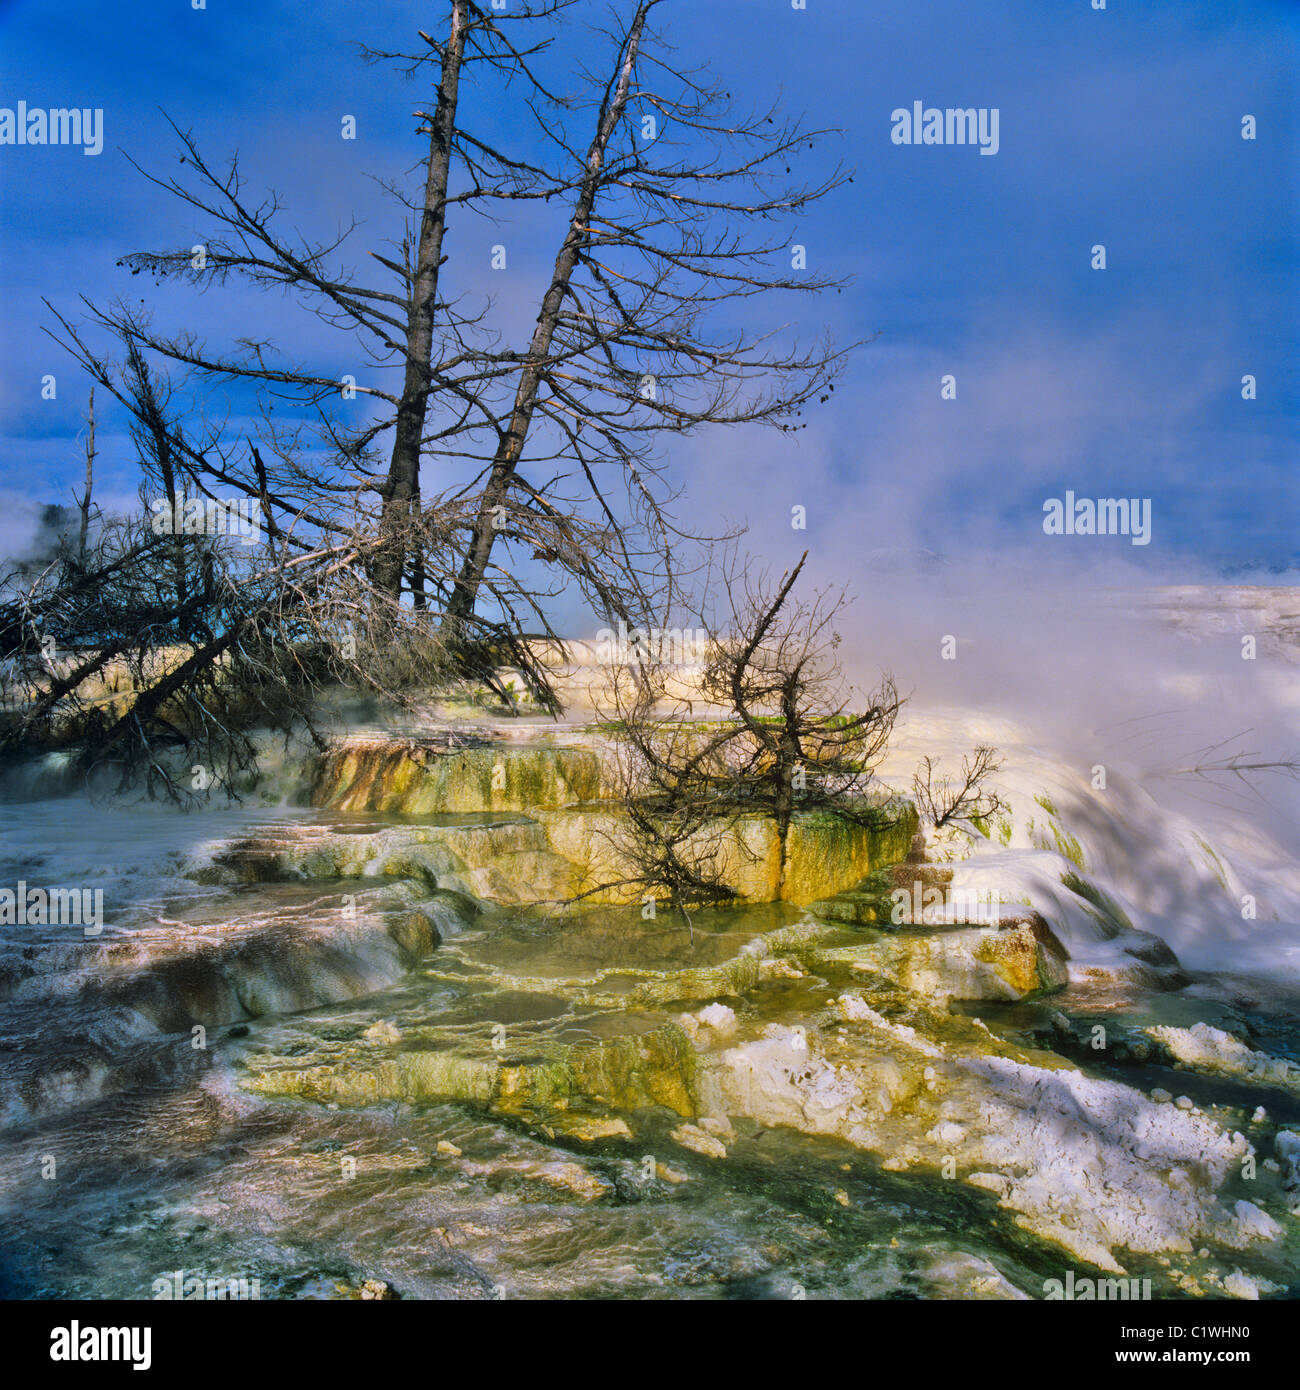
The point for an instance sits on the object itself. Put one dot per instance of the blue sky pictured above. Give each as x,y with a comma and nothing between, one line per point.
1120,127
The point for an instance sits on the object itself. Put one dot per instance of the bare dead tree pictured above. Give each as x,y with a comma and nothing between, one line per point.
401,489
1233,770
343,469
793,737
812,743
132,676
673,787
190,462
667,232
83,502
162,640
409,329
943,800
659,234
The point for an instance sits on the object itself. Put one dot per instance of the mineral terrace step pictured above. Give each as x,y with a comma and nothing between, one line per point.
927,875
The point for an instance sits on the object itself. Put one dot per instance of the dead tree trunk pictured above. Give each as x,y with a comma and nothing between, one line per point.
83,504
401,492
488,522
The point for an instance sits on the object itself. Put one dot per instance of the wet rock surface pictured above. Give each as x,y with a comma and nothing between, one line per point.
418,1073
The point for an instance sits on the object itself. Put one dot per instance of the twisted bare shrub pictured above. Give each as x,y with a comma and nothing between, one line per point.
793,739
